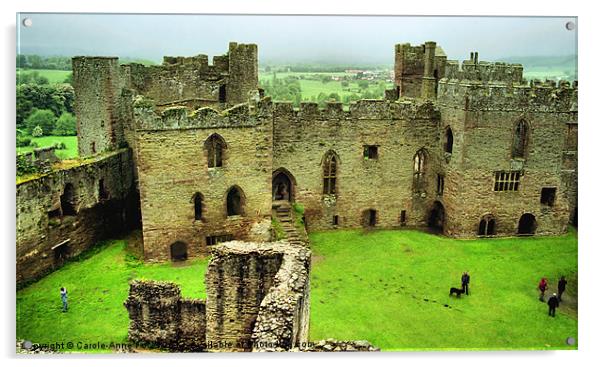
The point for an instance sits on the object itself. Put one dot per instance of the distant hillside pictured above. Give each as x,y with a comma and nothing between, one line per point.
547,67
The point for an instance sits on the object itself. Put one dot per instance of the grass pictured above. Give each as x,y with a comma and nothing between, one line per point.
368,286
312,88
53,76
46,141
97,286
390,288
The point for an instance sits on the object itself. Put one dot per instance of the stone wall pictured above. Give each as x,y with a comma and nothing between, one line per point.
257,300
193,82
399,129
173,166
483,118
161,318
48,233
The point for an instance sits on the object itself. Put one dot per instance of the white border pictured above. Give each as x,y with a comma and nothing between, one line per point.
589,185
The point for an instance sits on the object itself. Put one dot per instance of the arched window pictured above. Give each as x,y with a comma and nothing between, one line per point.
419,168
448,144
519,144
487,226
234,201
68,201
330,174
197,199
215,146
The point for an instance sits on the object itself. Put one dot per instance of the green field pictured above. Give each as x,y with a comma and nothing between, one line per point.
311,87
97,288
369,286
46,141
53,76
391,287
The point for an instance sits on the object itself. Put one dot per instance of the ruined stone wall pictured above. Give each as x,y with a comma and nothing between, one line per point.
239,276
192,82
161,318
417,69
483,119
40,225
257,300
172,167
97,84
399,129
484,71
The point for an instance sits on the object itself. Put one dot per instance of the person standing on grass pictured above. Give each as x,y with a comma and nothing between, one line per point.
543,285
465,281
64,298
552,304
561,287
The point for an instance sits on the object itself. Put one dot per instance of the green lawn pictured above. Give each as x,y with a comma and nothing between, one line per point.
97,288
53,76
46,141
369,286
390,287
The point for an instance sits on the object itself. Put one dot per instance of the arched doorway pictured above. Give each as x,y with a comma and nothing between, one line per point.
487,226
179,251
527,224
282,185
436,220
234,201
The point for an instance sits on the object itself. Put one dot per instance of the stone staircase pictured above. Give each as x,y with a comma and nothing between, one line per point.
283,213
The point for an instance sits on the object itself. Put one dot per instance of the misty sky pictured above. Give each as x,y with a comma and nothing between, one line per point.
356,39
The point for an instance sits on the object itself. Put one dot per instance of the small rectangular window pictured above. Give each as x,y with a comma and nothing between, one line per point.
506,180
402,217
370,152
548,196
335,220
214,240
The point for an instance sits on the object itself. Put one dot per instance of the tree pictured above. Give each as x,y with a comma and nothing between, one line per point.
344,83
65,125
45,119
69,79
363,84
37,131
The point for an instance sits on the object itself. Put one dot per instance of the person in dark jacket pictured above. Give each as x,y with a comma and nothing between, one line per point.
561,287
465,281
552,304
64,298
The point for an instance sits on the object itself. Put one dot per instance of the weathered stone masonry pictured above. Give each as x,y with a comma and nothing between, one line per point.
65,211
438,151
257,300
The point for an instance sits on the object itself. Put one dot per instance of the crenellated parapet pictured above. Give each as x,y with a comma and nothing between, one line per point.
180,117
536,96
366,109
483,71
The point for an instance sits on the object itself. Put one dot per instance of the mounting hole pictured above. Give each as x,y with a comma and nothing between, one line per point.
570,340
27,22
27,344
570,26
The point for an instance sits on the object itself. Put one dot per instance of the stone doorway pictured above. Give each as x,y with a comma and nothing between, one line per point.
282,185
179,251
527,224
436,219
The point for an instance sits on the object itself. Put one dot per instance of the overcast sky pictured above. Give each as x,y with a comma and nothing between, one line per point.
355,39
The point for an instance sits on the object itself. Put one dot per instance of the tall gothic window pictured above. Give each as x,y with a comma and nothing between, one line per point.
330,174
215,146
419,168
519,144
197,199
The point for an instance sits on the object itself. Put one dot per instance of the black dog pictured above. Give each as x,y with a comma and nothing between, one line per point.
457,291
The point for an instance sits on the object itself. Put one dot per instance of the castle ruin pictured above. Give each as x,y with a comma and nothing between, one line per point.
464,148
